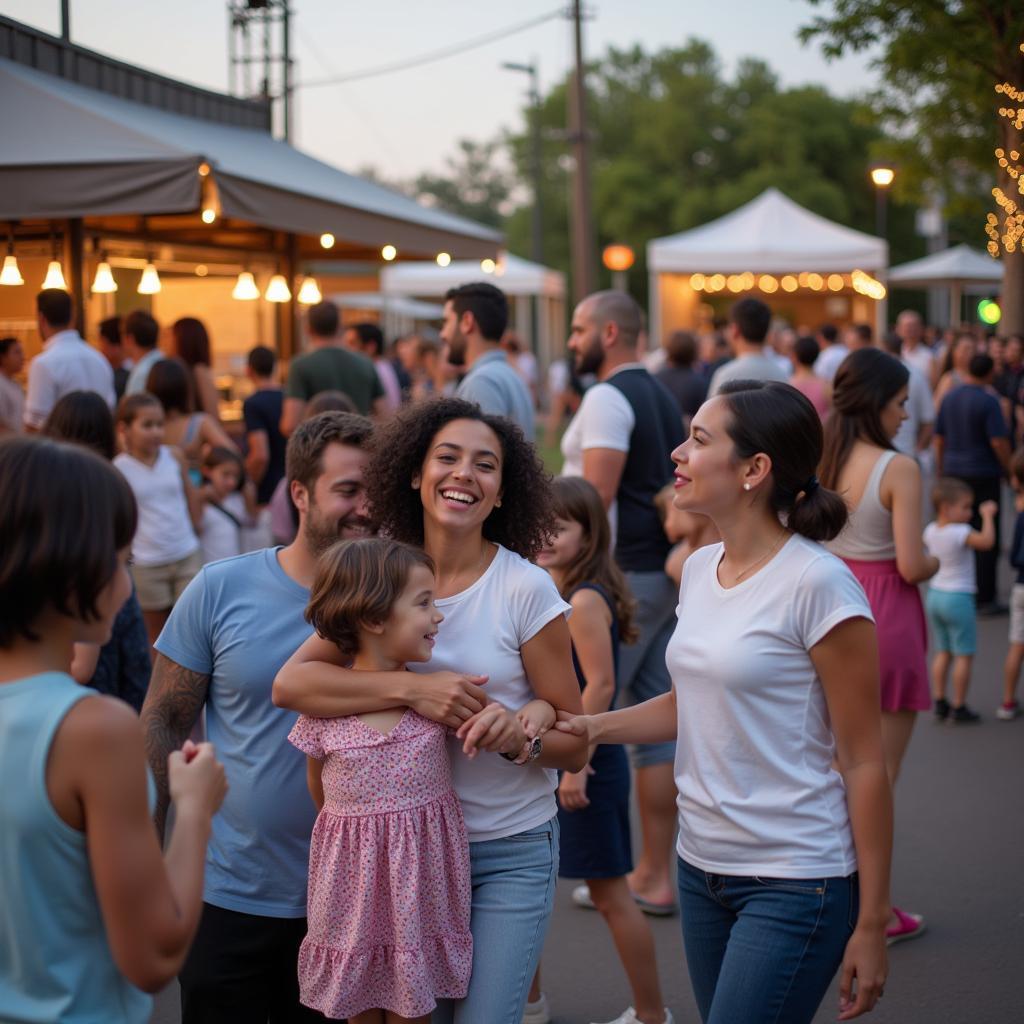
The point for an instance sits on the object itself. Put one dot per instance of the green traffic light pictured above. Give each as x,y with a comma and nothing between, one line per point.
989,312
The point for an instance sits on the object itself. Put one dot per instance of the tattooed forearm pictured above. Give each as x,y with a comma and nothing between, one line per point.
175,697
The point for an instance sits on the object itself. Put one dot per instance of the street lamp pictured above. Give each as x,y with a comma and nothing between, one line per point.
618,259
882,176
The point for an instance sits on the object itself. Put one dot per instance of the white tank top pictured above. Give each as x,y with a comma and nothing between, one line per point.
867,536
164,533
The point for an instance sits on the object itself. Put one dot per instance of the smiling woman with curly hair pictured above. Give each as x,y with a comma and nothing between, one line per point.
521,521
469,490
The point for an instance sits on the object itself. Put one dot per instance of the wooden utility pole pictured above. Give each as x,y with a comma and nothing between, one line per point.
584,268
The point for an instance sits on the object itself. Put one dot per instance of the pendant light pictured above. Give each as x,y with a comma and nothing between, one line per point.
54,274
10,274
277,289
309,293
149,284
103,282
245,287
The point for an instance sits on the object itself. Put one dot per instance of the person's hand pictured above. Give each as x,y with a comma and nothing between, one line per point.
450,698
495,729
572,790
195,777
576,725
988,508
536,718
866,963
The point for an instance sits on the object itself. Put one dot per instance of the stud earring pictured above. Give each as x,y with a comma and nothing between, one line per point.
746,487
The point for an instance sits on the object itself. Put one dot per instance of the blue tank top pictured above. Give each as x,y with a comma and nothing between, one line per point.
55,961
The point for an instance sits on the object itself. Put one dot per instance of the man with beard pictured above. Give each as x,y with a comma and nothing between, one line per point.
620,440
475,318
234,627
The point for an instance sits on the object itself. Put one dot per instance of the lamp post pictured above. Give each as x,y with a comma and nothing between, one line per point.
882,176
618,259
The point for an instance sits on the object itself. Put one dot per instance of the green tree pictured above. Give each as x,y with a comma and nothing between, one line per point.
940,63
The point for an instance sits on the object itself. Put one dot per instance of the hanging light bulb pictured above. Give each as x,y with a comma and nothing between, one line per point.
277,289
104,280
327,240
209,215
443,259
150,281
309,293
245,287
487,266
10,273
54,276
388,253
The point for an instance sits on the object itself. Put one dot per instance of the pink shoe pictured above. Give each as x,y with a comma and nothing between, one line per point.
908,926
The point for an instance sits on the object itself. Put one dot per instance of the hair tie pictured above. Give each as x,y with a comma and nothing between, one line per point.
811,486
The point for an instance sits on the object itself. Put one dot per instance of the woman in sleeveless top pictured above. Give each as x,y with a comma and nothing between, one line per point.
882,542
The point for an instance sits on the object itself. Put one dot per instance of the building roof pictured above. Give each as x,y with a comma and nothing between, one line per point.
770,234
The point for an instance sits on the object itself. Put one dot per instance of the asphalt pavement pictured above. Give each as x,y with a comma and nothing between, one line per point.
959,861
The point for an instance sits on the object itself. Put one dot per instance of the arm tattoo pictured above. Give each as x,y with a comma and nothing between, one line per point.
176,696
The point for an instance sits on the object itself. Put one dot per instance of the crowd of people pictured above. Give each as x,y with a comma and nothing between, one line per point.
382,670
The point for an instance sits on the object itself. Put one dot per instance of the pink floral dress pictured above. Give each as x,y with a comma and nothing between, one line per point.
389,880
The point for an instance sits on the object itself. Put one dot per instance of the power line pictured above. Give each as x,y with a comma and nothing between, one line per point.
435,55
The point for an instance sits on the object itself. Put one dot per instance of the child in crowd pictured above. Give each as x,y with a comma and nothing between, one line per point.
389,877
686,531
950,603
166,551
593,811
229,506
92,914
1010,708
803,356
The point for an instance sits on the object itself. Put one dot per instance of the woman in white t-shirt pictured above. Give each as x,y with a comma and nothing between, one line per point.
470,490
785,817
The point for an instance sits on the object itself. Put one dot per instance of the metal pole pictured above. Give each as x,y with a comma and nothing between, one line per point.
880,211
286,88
65,20
537,252
583,261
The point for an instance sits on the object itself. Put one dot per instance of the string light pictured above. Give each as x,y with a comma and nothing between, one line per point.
768,284
789,283
488,266
860,281
835,282
1007,237
443,259
327,240
388,253
697,282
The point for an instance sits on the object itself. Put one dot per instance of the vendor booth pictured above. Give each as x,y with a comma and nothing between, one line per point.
808,269
523,282
961,269
132,190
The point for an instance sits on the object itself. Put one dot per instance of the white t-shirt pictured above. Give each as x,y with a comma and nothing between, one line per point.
922,358
757,791
483,631
164,533
66,364
604,419
920,410
827,364
219,535
957,574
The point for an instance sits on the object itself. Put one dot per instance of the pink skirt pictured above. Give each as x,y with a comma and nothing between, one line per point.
902,635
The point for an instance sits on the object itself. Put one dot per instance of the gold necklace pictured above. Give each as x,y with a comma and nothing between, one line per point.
763,558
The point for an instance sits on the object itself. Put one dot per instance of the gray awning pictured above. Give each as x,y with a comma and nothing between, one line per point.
72,151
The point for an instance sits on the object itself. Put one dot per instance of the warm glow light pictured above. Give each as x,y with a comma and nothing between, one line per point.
746,280
882,176
804,279
767,284
388,253
697,282
734,282
55,277
204,170
815,282
149,284
443,259
789,283
865,284
716,282
10,273
618,257
277,289
245,287
835,282
309,292
487,266
202,270
209,215
104,280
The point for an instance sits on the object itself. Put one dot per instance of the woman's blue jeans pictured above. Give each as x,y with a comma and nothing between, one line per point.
513,895
763,950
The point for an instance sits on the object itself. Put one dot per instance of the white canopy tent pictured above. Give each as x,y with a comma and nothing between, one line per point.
755,244
521,280
397,314
961,269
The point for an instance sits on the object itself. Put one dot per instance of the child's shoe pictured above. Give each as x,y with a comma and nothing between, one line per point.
630,1017
908,926
941,709
538,1012
1009,711
963,715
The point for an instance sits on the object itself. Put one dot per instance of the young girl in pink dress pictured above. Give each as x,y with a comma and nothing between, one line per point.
389,880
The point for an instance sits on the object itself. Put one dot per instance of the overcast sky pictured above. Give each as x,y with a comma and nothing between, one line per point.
409,121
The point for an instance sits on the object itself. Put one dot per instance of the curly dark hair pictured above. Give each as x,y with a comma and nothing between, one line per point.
525,519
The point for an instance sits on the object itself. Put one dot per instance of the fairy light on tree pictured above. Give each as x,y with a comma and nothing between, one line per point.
1005,236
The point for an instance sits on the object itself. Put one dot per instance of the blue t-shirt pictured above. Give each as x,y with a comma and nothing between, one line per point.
968,418
238,621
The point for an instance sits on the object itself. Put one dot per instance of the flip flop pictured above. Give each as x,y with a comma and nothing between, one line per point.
654,909
909,926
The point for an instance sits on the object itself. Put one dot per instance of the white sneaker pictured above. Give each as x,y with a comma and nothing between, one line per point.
630,1017
581,897
538,1012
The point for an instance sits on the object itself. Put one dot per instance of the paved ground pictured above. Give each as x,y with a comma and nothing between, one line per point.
959,858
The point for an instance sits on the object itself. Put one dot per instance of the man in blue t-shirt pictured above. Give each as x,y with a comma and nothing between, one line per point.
235,625
972,443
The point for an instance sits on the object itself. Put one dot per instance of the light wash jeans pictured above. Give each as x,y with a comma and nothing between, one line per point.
513,895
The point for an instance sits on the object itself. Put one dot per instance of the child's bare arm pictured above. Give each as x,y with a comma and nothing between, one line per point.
985,538
315,781
536,718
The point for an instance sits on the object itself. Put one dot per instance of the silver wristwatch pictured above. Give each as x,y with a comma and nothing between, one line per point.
536,746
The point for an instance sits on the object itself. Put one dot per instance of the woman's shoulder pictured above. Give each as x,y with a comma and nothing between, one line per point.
591,599
513,567
815,565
